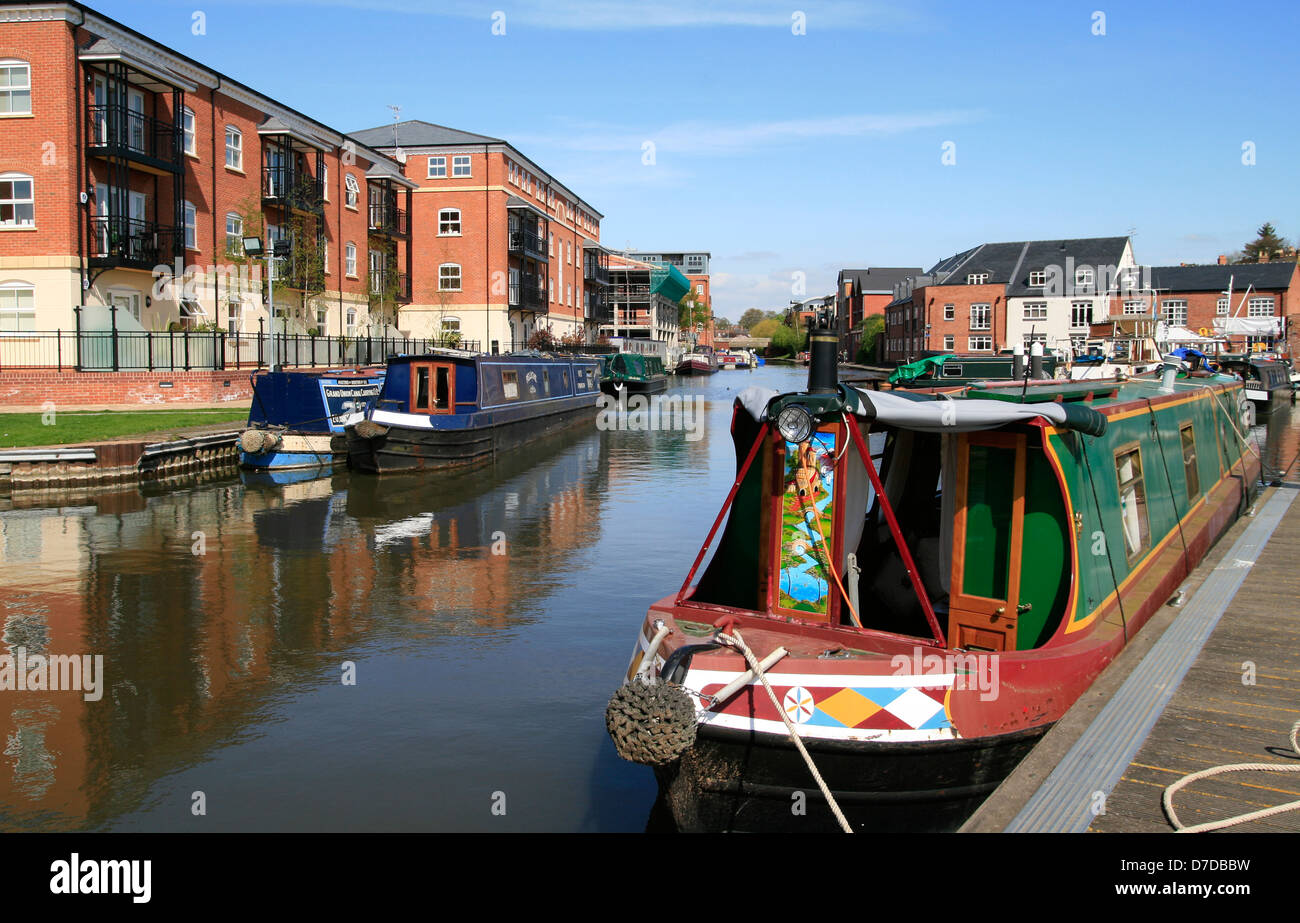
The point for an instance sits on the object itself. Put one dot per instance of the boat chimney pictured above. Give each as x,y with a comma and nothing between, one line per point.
1018,361
1167,376
1036,361
823,353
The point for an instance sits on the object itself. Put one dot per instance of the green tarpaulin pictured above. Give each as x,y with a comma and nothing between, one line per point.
667,280
917,369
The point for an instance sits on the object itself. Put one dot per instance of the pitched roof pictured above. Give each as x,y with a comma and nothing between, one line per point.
1215,278
417,133
877,279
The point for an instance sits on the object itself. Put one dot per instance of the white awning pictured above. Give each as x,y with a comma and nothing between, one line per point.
1249,326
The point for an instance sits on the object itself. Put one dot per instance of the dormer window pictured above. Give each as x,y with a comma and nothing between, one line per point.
1083,278
977,278
1038,277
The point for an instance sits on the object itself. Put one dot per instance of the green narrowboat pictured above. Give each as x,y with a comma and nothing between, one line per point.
926,582
633,372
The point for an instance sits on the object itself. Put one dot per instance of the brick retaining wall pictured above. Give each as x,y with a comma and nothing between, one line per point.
34,387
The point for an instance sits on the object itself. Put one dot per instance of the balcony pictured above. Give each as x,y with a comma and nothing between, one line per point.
389,285
303,270
132,243
118,131
596,306
528,294
527,243
298,190
387,219
594,273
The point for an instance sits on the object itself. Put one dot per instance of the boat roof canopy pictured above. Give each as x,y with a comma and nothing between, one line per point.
942,413
916,369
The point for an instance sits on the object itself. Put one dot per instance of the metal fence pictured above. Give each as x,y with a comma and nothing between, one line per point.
189,350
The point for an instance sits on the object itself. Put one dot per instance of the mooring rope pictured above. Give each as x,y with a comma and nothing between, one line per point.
1168,799
736,641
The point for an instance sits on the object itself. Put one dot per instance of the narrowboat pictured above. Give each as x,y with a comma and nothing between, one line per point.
296,418
926,582
1267,381
633,372
450,408
699,362
952,369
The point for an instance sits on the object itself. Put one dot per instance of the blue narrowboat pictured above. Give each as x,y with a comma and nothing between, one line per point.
455,409
296,418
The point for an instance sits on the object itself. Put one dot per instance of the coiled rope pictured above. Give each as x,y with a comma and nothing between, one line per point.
1168,799
735,640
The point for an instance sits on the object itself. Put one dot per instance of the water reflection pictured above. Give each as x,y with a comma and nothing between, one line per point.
227,609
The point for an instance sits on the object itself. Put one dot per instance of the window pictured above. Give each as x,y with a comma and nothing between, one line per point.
977,278
1035,310
981,317
321,319
352,321
451,324
949,342
449,222
234,314
434,388
1174,311
950,312
1132,500
449,277
1136,308
17,203
699,288
460,165
551,246
1260,307
1221,307
510,385
376,272
1083,278
979,344
325,256
325,181
191,143
1032,338
350,259
17,306
234,148
351,191
1080,314
568,291
15,88
191,227
1190,474
234,235
437,167
1038,277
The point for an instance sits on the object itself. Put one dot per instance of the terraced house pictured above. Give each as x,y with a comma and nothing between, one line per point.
130,175
995,295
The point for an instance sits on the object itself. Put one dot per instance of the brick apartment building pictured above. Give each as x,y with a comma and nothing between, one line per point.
120,155
694,264
503,249
862,293
1253,305
992,296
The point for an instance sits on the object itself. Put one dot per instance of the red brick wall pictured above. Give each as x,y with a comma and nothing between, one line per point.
93,388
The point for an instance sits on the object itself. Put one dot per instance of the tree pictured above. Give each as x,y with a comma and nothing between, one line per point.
767,327
787,339
872,328
1267,244
751,318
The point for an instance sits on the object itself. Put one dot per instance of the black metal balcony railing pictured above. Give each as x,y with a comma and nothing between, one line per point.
530,242
390,285
117,129
597,307
116,240
528,294
594,272
388,219
295,189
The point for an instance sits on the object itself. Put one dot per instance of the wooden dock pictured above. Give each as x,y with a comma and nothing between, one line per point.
1214,682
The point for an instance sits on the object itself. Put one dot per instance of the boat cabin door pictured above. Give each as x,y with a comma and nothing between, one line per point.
984,604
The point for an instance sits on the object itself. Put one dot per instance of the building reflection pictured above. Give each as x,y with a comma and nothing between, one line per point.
209,600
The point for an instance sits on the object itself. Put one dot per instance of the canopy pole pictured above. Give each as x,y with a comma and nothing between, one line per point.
895,531
744,469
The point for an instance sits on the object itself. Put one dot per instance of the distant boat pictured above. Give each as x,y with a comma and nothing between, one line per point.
457,409
697,363
633,372
296,418
1267,381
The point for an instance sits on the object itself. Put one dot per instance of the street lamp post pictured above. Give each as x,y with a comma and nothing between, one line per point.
253,248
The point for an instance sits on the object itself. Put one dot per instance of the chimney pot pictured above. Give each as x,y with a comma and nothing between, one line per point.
1223,259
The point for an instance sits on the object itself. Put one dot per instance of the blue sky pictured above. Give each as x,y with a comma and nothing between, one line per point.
785,153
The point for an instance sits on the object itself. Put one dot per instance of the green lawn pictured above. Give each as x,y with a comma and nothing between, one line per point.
26,429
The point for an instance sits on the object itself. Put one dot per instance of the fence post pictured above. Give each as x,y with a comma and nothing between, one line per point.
148,342
58,341
112,314
171,349
260,327
215,366
185,337
76,323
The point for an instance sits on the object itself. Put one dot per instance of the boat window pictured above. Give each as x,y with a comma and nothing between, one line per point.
510,384
420,392
952,371
546,382
564,374
1189,461
433,387
1132,500
442,389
